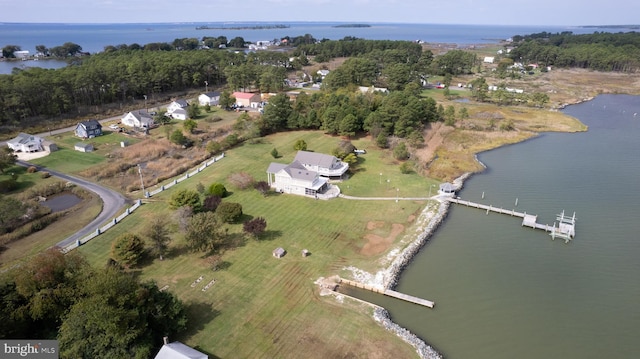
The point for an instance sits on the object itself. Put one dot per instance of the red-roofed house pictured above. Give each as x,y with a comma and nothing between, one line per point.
247,99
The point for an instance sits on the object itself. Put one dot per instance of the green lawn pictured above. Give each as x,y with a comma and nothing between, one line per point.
263,307
68,160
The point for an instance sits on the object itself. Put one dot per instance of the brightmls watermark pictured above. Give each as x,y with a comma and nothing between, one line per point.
29,348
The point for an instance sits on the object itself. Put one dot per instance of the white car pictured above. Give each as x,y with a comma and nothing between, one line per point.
114,127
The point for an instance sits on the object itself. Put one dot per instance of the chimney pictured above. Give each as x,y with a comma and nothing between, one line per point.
166,340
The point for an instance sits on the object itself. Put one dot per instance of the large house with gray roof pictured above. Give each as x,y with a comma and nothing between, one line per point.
307,175
325,165
25,143
138,119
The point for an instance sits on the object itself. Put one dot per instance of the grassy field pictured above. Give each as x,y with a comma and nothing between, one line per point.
68,160
263,307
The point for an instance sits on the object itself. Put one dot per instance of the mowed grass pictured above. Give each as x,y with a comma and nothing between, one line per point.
263,307
68,160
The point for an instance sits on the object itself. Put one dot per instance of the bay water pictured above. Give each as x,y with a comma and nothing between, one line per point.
505,291
95,37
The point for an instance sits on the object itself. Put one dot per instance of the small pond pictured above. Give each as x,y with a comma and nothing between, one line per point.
62,201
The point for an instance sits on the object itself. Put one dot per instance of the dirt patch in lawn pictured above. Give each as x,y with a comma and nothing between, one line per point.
377,244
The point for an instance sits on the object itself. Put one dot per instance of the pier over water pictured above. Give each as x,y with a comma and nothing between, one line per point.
564,227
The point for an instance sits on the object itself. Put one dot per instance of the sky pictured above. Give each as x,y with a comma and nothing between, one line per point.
485,12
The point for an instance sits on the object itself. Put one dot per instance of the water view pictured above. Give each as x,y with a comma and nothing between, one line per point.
504,291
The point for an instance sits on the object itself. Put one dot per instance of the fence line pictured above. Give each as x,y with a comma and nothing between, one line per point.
187,175
138,203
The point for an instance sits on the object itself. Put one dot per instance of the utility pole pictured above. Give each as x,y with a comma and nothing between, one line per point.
141,180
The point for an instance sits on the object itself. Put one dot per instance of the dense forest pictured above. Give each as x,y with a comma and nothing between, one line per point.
123,75
598,51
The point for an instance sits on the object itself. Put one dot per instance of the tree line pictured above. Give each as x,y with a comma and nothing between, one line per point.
598,51
94,313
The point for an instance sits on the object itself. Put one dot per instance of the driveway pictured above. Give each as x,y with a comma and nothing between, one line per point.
112,202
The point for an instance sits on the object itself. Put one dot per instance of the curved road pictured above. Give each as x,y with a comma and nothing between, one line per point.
112,202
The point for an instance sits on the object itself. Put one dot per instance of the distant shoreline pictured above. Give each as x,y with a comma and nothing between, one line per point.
257,27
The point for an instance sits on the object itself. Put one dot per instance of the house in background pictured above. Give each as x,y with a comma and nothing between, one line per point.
177,104
178,109
25,143
209,98
83,147
247,99
372,89
88,129
138,119
177,350
179,114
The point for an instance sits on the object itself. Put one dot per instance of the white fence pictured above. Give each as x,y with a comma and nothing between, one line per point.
187,175
138,203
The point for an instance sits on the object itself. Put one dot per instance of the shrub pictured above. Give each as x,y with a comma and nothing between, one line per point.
45,174
229,212
400,152
185,197
344,148
217,189
274,153
382,141
178,138
211,203
255,227
213,147
32,169
262,187
230,141
300,145
406,167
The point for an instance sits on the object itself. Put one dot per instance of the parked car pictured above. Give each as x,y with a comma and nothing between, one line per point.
114,127
359,152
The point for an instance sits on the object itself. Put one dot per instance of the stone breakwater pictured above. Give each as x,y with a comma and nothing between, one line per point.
388,277
381,316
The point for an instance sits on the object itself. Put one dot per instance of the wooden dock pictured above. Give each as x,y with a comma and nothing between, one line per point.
390,293
565,228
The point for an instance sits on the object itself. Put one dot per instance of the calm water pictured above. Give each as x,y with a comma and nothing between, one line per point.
503,291
94,37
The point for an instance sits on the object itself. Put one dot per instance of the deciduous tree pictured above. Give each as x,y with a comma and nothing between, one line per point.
158,234
204,232
255,227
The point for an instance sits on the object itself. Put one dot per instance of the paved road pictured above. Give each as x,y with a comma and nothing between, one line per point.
112,202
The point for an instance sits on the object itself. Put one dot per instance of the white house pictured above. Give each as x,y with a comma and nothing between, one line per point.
209,98
21,54
138,119
489,59
179,114
307,175
325,165
372,89
179,106
323,73
177,350
294,178
25,143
